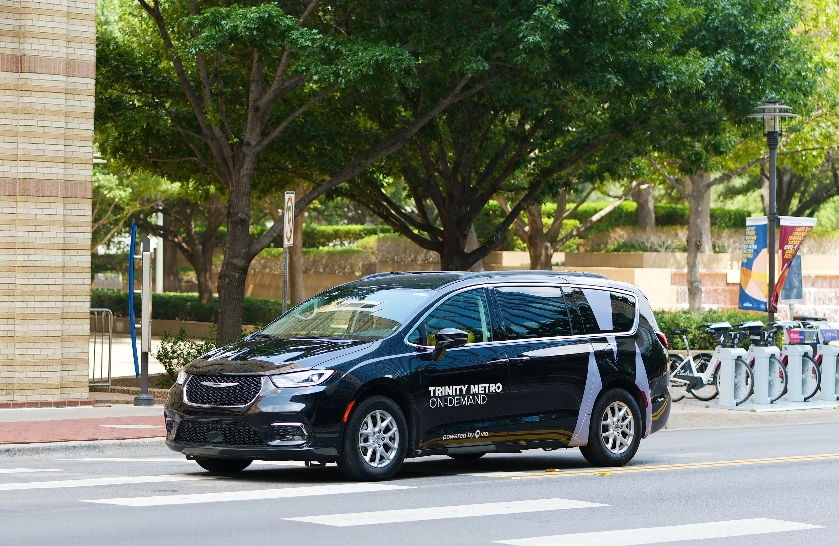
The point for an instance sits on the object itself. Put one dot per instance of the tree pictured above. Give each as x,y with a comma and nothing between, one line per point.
231,80
118,194
582,79
707,131
542,243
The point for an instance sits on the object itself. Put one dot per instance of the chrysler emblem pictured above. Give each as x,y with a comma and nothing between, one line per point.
218,385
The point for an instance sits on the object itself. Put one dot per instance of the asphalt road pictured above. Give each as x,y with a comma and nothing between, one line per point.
696,484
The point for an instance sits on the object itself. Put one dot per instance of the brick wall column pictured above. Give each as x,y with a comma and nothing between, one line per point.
47,75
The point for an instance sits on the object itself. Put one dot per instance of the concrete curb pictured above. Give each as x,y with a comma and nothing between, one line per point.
92,447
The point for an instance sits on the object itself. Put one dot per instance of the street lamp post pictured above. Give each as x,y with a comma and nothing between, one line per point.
772,112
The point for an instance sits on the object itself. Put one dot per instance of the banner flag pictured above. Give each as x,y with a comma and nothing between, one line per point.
792,292
754,265
793,232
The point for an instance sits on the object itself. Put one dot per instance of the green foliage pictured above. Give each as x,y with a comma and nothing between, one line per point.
174,306
316,236
668,321
176,352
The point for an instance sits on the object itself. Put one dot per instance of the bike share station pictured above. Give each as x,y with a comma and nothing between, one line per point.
802,375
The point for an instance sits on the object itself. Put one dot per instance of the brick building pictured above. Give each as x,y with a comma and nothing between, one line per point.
47,74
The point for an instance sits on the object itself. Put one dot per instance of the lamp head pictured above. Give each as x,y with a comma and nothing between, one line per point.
772,111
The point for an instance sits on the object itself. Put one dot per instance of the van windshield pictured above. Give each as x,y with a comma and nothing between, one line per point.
365,313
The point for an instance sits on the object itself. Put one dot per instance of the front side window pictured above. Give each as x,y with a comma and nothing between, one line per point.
465,311
533,311
364,312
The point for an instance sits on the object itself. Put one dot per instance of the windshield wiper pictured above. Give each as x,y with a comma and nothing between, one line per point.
261,335
333,339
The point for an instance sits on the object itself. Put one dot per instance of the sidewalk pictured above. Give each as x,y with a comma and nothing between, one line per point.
118,422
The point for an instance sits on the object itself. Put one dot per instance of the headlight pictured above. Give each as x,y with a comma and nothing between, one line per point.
182,375
300,379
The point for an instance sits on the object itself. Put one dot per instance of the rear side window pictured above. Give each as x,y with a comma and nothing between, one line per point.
533,311
595,311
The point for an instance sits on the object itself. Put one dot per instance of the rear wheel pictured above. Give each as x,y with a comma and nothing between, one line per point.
677,389
223,466
708,390
375,441
615,431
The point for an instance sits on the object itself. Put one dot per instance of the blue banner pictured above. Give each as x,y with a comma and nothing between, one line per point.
754,265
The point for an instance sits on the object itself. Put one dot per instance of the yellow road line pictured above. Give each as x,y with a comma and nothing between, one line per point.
554,473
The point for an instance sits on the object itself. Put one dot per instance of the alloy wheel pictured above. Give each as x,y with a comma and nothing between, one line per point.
617,427
378,438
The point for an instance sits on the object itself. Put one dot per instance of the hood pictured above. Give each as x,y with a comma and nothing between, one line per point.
271,355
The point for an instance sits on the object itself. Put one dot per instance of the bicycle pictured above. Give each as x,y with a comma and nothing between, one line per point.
760,336
703,375
803,333
682,376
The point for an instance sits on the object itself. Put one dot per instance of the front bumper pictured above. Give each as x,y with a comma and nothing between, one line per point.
288,424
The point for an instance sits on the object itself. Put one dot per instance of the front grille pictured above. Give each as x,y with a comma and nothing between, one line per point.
231,433
223,390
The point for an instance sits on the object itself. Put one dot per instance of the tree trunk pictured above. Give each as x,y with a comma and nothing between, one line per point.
643,196
697,241
234,268
204,278
472,244
538,245
296,284
171,282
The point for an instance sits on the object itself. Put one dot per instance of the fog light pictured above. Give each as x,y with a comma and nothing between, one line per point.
289,432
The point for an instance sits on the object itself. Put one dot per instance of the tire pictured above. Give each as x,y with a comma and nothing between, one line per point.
615,431
223,466
815,377
677,392
744,385
708,391
778,382
375,441
466,456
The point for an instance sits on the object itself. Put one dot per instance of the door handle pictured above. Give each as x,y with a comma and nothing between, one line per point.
519,359
497,361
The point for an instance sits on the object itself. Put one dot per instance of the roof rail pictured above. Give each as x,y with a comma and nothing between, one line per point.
389,273
532,272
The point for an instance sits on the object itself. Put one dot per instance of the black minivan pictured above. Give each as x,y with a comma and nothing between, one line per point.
400,365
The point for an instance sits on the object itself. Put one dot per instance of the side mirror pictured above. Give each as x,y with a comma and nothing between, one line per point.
448,338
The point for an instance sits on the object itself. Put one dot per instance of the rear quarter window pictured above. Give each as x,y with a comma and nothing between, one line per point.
597,311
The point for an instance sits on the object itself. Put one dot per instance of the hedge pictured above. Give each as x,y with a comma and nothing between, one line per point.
668,321
174,306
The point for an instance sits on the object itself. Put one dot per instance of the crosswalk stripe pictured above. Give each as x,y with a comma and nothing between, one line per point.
96,482
258,494
673,533
27,470
445,512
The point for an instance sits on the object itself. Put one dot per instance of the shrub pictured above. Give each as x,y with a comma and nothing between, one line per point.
175,306
668,321
176,352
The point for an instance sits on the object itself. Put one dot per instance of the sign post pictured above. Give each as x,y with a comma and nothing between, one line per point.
144,398
288,240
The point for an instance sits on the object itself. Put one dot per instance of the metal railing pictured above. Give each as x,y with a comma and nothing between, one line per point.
102,323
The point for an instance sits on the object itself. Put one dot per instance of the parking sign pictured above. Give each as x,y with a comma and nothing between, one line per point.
288,218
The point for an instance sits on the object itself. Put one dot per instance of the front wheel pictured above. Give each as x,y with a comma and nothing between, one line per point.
375,441
744,384
708,391
615,431
778,380
813,380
